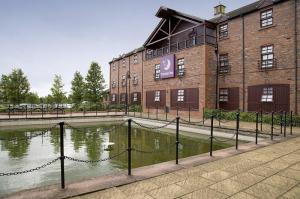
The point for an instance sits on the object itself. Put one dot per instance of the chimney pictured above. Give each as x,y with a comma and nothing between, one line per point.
220,9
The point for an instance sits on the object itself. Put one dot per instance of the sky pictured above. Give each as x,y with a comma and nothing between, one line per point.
48,37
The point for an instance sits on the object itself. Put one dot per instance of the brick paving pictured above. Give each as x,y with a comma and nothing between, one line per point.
269,172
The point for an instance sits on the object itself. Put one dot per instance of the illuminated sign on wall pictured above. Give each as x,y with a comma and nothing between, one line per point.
167,66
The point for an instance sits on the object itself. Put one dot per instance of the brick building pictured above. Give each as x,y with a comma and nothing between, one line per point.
245,59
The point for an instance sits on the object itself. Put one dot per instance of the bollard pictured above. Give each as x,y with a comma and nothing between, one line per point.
256,128
211,134
281,122
8,111
272,126
129,146
156,112
237,131
284,128
189,114
177,138
26,111
62,156
291,123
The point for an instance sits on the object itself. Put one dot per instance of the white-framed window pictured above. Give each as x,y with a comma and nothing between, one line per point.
135,79
114,66
180,95
267,56
135,97
123,80
123,62
267,94
157,96
223,31
157,72
113,97
135,59
180,67
123,97
223,95
223,63
113,85
266,18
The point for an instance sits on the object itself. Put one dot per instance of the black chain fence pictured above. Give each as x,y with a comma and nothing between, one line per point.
95,161
153,127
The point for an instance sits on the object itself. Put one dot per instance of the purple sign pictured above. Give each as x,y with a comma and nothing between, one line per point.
167,69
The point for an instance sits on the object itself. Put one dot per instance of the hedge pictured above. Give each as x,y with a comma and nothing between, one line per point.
250,116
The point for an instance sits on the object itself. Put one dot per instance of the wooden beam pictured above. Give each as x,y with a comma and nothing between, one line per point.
176,26
188,20
172,35
159,28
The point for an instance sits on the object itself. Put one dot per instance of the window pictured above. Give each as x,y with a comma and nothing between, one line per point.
123,80
123,97
135,79
267,57
157,72
113,97
135,97
157,96
123,63
113,84
223,95
135,59
266,18
223,31
180,67
114,66
223,63
267,95
180,95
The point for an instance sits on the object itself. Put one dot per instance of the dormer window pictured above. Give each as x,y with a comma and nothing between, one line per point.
266,18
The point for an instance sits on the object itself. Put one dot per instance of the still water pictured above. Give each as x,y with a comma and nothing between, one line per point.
18,153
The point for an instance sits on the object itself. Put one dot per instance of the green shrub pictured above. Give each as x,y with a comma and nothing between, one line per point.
250,117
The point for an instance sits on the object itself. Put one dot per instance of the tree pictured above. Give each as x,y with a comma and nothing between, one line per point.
14,87
78,88
94,83
32,98
57,91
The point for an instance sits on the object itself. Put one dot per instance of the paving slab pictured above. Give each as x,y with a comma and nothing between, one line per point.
242,195
170,191
228,187
247,178
292,194
206,194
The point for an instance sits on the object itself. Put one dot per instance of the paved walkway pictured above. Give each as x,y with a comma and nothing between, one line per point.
270,172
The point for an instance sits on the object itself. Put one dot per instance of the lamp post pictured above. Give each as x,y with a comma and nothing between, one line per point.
126,96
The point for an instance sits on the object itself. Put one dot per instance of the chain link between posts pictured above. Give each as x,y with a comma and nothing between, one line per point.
95,161
155,151
155,127
30,170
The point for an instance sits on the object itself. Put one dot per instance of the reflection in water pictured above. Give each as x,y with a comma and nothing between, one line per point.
87,143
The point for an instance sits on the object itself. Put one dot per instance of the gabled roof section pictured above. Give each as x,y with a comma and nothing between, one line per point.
166,13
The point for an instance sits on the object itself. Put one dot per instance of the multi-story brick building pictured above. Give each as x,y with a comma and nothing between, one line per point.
245,59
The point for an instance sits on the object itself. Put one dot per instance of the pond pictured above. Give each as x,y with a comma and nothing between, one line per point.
18,152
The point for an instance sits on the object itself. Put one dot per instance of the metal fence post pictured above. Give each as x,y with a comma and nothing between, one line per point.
148,113
211,134
281,122
177,111
219,118
157,113
272,126
284,129
261,120
291,123
62,156
134,111
203,115
129,145
237,131
42,111
256,128
189,114
177,138
166,114
96,109
57,111
8,111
